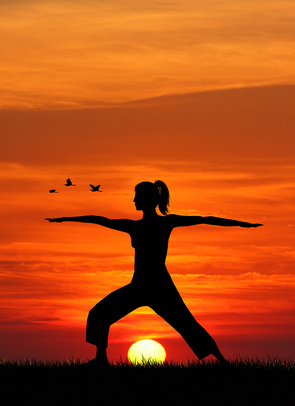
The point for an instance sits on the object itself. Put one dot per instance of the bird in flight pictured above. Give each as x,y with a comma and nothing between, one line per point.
95,188
52,191
69,182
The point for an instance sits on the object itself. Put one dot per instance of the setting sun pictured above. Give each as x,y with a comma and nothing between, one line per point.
146,350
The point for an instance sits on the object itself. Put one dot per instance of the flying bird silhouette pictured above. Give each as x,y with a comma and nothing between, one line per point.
95,188
52,191
69,182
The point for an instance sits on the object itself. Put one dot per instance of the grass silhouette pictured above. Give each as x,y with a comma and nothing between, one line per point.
244,382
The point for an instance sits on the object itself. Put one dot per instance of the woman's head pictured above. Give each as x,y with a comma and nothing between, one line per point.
150,194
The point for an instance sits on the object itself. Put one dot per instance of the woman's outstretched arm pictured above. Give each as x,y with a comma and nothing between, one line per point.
181,221
120,225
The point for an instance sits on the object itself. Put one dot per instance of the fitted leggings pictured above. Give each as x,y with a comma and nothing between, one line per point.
164,299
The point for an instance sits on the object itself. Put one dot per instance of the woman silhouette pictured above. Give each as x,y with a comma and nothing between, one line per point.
151,284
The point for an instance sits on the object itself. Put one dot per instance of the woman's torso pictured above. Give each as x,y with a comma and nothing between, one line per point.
149,238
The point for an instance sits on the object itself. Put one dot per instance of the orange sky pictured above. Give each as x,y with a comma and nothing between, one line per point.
198,95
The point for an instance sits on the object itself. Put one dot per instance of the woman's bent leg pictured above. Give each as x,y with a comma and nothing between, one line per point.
109,310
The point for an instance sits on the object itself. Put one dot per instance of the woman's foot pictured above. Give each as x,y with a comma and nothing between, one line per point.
97,363
221,359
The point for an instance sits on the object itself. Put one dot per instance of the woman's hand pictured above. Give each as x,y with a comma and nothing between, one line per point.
250,225
56,220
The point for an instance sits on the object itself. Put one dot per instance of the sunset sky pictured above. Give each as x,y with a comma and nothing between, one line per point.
199,94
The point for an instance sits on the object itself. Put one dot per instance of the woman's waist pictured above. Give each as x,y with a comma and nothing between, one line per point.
149,264
157,278
149,259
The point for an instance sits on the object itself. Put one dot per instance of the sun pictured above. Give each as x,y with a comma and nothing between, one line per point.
146,351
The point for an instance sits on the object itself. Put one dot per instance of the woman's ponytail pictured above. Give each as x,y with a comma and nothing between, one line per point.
163,196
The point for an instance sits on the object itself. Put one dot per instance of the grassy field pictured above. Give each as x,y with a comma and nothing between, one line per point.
245,382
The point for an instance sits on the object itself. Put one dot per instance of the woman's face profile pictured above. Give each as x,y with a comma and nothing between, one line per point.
143,200
138,200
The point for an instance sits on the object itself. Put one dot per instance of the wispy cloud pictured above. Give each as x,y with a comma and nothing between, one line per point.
89,50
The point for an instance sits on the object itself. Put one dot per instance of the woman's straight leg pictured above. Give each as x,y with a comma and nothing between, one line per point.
174,311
